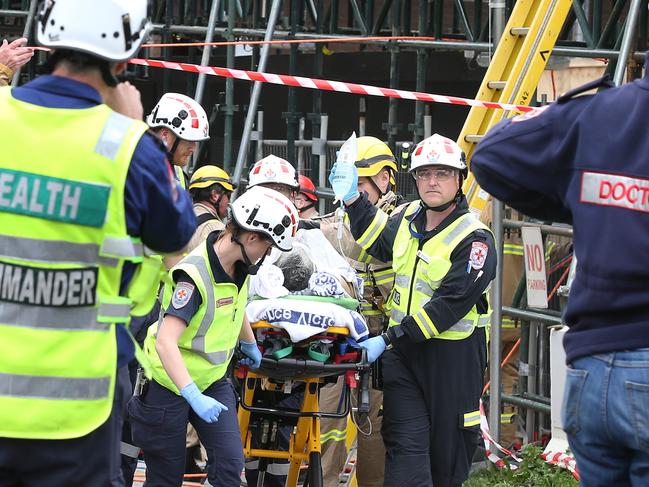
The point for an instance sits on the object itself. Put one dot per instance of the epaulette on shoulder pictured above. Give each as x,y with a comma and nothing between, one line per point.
603,82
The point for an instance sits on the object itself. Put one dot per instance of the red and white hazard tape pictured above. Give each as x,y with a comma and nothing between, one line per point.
488,441
327,85
563,460
560,459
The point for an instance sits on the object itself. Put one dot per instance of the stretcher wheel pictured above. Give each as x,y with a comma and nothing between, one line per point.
314,477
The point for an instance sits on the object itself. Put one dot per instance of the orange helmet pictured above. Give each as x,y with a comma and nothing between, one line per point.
307,187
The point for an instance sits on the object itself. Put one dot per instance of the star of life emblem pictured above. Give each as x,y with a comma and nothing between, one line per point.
182,294
478,255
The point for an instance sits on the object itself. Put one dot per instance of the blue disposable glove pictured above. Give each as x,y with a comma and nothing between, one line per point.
251,350
352,179
375,346
206,407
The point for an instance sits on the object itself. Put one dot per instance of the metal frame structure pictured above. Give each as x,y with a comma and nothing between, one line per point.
612,29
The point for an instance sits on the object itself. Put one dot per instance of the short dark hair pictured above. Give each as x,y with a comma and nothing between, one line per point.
204,194
81,62
76,60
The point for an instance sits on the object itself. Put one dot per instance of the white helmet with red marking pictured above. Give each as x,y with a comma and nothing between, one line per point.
266,211
438,150
182,115
273,170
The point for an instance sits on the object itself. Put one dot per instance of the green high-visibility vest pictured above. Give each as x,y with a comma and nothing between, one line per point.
418,273
208,343
63,243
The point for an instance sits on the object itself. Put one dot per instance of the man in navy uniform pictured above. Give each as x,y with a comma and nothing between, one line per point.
583,160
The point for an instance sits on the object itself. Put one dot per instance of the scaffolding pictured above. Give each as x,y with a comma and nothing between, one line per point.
615,31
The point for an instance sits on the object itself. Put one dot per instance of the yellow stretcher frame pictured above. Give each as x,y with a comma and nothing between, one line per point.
304,442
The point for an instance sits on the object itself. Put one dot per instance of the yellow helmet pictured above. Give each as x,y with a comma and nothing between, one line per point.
206,176
372,155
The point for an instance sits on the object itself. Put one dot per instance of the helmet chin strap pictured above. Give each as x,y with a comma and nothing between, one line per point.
252,268
216,204
307,207
172,151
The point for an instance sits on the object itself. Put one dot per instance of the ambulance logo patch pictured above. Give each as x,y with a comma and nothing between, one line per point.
182,294
478,255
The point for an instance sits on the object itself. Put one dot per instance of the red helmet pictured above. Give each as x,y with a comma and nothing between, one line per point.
307,187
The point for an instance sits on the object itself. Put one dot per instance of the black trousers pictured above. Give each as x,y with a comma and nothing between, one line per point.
428,387
159,426
92,460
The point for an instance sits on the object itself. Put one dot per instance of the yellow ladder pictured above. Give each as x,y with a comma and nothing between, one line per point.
513,74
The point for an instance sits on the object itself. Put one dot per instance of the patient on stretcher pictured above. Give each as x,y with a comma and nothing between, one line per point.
305,295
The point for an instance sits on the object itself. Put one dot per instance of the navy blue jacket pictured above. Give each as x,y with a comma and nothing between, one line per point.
585,160
163,223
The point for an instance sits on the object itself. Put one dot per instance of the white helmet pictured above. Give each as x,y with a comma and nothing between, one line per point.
110,29
273,169
182,115
264,210
437,150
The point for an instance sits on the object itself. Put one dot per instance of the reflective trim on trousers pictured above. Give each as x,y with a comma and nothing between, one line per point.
113,135
333,435
128,450
471,419
271,468
374,230
66,388
509,323
512,249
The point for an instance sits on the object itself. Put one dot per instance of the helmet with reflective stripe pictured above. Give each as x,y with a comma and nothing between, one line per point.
266,211
438,150
206,176
182,115
112,30
372,155
273,169
308,188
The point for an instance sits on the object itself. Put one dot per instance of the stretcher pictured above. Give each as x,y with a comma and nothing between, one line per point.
291,369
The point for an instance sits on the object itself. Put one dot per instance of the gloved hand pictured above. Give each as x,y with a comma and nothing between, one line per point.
251,350
353,177
375,346
206,407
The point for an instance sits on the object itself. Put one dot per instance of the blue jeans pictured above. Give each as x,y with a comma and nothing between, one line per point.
606,416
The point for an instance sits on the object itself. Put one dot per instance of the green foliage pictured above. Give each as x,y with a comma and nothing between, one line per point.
532,472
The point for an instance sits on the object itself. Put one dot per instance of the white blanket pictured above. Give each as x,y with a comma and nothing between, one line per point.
304,319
